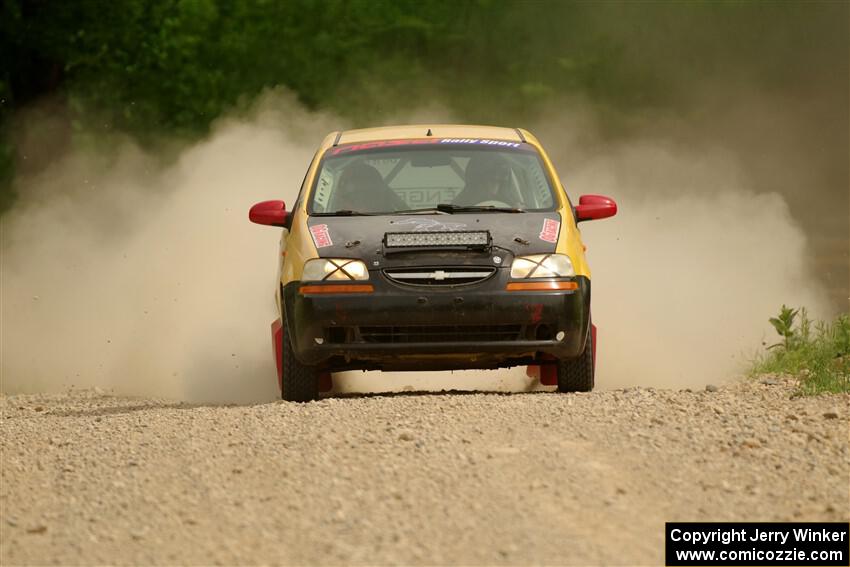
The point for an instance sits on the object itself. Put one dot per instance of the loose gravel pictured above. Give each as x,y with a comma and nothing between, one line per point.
88,478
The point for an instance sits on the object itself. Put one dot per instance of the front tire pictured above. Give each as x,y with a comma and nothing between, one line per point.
577,374
300,382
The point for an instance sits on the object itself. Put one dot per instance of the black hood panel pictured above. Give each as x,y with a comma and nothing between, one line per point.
512,234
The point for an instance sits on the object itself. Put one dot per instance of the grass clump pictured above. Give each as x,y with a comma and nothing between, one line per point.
818,353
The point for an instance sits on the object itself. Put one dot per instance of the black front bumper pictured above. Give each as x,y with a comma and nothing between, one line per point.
400,327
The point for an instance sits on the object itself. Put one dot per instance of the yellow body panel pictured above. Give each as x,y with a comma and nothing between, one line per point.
421,131
296,245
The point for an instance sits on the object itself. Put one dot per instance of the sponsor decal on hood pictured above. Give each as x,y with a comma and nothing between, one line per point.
321,235
550,230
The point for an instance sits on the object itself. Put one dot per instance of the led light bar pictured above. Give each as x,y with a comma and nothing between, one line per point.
457,238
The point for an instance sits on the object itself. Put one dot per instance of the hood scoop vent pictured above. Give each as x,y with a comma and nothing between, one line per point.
450,275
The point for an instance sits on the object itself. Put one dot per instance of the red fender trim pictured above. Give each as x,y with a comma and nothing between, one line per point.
277,345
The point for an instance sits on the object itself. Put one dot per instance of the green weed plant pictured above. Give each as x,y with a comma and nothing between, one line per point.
818,352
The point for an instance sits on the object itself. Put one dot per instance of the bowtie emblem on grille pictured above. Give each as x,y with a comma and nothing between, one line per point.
457,275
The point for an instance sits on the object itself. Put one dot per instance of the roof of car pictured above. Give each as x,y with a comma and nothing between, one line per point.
425,130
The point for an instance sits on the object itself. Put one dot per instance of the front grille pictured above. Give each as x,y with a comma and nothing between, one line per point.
440,333
454,275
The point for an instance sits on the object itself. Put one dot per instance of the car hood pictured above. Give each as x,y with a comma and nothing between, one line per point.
511,234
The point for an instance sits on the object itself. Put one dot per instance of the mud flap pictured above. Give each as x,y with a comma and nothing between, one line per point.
547,373
326,382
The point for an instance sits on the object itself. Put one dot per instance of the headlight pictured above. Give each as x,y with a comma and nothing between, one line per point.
542,266
332,269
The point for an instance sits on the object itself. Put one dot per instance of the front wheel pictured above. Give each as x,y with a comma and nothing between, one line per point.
300,382
576,374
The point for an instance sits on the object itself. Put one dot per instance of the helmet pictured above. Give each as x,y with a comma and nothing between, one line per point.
360,179
486,180
362,188
486,168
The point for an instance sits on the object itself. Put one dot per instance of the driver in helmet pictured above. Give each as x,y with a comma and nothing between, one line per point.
361,188
487,181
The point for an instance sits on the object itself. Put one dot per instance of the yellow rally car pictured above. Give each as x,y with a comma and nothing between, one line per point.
432,248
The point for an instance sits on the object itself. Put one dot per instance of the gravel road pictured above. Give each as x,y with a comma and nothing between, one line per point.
88,478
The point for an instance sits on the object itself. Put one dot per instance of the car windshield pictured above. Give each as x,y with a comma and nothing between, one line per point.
439,175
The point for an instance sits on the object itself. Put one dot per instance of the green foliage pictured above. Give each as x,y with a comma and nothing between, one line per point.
178,64
7,163
171,67
819,357
784,325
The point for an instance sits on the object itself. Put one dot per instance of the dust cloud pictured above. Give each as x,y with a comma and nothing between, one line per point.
147,279
704,248
686,277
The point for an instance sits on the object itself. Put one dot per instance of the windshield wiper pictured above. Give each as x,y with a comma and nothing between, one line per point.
345,213
429,210
449,208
